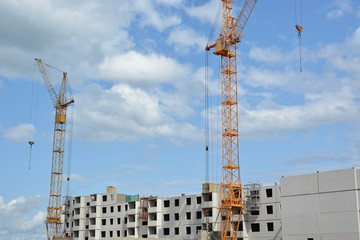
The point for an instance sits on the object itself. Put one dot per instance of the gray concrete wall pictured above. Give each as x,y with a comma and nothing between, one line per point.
321,206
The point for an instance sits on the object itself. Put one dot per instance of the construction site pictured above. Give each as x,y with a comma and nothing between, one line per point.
321,205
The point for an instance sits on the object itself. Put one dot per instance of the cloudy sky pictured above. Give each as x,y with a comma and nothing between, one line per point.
136,70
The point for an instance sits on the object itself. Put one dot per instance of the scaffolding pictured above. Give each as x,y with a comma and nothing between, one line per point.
144,207
252,195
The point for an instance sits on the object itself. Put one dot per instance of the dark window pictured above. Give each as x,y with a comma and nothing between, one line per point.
188,230
198,200
144,236
166,217
269,209
104,209
144,223
166,231
198,215
176,202
118,233
125,233
119,221
310,239
188,201
176,231
111,233
126,207
111,221
176,216
255,227
198,228
87,215
103,221
111,209
125,219
167,203
269,192
119,208
104,198
255,213
188,215
208,212
87,204
241,226
103,234
270,226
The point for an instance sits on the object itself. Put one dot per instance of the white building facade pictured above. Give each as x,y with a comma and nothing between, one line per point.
320,206
112,215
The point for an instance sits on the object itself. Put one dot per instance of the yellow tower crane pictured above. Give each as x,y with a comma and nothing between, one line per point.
60,102
226,47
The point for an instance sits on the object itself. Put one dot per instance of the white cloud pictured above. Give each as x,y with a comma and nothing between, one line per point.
150,16
138,69
171,2
342,7
20,132
185,39
42,28
324,109
205,13
16,221
127,113
272,55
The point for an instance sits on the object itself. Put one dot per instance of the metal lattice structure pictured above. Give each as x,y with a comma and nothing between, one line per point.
144,207
60,102
226,47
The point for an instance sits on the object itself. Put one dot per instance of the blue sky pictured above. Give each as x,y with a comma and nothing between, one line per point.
136,70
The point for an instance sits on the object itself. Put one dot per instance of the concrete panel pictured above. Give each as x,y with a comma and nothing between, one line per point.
300,224
302,204
301,237
357,174
343,222
297,185
347,236
339,180
338,202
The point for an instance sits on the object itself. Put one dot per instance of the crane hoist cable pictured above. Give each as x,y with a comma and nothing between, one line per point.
207,84
33,114
299,28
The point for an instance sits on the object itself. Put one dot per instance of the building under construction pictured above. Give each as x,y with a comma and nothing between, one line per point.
308,207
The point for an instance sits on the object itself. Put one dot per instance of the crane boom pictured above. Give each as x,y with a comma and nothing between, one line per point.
47,81
242,19
61,102
226,47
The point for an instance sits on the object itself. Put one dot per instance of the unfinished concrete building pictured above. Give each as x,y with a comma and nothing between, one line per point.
308,207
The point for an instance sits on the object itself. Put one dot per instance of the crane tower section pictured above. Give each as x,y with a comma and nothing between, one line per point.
60,102
226,47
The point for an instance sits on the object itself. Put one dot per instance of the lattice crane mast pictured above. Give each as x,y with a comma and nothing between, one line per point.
226,47
60,101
